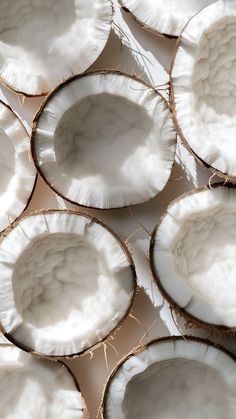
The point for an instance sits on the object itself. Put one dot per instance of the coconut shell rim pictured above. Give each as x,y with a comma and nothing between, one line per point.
2,232
145,26
44,94
128,311
141,348
192,321
64,365
53,93
172,103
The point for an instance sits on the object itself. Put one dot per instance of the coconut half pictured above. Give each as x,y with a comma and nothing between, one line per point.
43,42
203,87
66,282
17,171
193,252
164,17
35,388
104,140
173,378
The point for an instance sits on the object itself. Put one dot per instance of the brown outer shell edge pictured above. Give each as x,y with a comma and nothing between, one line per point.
36,175
146,27
179,131
138,349
191,320
93,219
76,383
155,31
53,93
44,94
19,92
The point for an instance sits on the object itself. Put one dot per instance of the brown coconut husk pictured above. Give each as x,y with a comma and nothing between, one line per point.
146,27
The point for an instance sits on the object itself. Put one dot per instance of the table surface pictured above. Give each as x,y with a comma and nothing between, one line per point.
132,49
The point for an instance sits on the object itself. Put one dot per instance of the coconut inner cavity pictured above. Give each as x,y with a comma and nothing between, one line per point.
204,254
56,280
178,388
7,161
102,138
214,82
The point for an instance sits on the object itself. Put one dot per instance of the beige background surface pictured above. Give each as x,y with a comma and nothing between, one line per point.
132,49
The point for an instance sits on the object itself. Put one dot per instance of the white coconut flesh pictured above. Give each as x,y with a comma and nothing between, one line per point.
166,17
17,171
105,140
193,255
204,86
174,379
45,41
33,388
66,282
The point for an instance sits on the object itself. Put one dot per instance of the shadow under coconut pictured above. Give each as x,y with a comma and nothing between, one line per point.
148,41
43,197
132,49
121,59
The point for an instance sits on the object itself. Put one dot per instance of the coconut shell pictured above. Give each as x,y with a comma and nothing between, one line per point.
122,244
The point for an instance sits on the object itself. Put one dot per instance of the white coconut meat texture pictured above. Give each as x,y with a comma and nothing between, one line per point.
33,388
66,282
173,379
17,171
203,86
165,17
193,255
45,41
105,140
